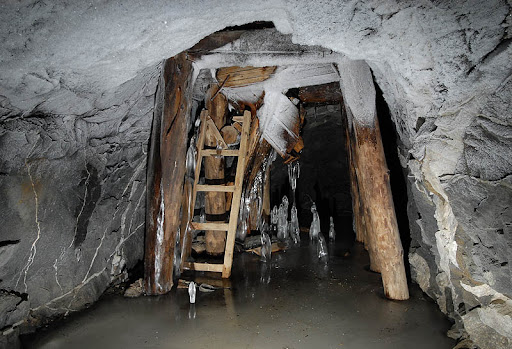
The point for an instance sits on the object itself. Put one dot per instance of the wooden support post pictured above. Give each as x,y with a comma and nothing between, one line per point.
374,174
187,213
166,172
215,202
357,211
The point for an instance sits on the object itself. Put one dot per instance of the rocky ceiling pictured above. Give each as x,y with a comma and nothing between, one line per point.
77,84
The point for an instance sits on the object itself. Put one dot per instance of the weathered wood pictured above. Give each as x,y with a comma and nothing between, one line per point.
212,42
372,170
326,93
379,202
242,76
168,173
357,212
187,213
215,202
235,205
230,134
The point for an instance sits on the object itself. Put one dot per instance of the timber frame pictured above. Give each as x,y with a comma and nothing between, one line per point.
166,208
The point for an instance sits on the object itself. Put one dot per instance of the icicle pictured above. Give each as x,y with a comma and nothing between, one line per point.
321,249
282,220
332,232
314,230
191,158
294,226
266,247
176,259
293,174
241,231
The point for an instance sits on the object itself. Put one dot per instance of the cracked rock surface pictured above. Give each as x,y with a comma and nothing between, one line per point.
77,83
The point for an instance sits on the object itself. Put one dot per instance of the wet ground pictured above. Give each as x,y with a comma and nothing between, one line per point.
295,302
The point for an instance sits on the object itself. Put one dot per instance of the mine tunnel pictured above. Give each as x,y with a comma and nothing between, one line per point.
274,176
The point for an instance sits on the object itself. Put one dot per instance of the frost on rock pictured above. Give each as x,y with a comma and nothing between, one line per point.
294,229
321,249
314,229
282,220
266,247
332,232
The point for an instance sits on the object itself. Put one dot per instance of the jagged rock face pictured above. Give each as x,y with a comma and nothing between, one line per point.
76,97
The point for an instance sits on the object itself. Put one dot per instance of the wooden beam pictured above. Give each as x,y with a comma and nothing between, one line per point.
215,202
242,76
374,174
166,172
325,93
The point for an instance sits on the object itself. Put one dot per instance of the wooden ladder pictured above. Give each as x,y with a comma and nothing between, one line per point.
236,189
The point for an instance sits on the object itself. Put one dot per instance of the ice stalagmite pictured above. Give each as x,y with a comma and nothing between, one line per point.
332,232
273,218
266,247
321,249
191,158
282,220
294,229
314,230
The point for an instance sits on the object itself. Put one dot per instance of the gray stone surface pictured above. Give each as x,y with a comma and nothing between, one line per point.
76,95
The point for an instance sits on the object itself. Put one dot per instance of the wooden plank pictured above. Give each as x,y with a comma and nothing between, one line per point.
215,133
325,93
214,168
216,268
238,118
159,248
216,188
242,76
210,226
235,205
199,159
219,152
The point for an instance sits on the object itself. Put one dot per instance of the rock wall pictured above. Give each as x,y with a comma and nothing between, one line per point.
73,203
75,123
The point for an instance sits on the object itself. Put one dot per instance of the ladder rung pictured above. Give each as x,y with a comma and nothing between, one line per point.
219,152
217,188
204,267
210,226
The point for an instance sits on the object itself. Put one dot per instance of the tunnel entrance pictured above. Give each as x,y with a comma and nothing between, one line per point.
288,90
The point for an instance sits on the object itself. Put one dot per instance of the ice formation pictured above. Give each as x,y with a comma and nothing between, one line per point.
321,249
294,229
273,218
192,292
266,247
332,232
293,174
241,231
282,220
191,158
314,229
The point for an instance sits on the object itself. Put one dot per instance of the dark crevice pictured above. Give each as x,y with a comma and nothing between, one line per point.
8,242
